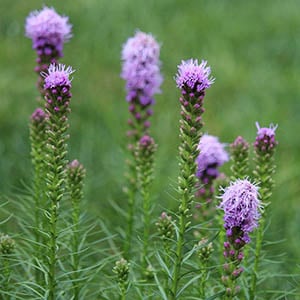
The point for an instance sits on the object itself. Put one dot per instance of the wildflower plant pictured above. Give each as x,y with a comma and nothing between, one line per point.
241,205
192,79
141,71
57,96
264,148
61,252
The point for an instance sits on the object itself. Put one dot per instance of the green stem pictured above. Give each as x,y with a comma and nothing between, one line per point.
53,251
202,284
184,210
259,239
146,211
130,221
6,275
75,249
55,189
167,262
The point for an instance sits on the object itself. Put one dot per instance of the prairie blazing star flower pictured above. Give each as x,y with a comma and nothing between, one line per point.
265,139
192,77
141,68
48,31
212,155
241,213
58,76
57,87
241,208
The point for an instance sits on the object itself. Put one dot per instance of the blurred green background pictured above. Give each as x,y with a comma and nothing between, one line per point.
253,48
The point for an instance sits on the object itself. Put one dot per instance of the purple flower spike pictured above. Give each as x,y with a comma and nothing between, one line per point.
212,155
48,31
141,68
265,138
241,207
192,77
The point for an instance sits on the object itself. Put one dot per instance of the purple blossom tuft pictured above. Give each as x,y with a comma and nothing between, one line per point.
192,77
58,76
74,164
212,155
48,31
38,116
240,144
241,208
146,141
141,68
265,138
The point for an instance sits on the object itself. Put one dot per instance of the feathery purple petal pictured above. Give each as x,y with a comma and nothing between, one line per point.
192,77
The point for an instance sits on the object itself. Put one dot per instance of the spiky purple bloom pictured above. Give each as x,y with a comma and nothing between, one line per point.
48,31
212,155
193,77
58,76
241,213
241,208
141,68
265,138
57,86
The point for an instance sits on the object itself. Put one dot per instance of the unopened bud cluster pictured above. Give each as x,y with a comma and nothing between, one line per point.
165,226
121,269
205,250
7,244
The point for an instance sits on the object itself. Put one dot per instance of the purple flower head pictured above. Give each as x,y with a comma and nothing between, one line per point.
146,146
76,171
241,207
141,68
146,141
212,155
58,76
74,164
192,77
38,116
240,144
265,139
48,31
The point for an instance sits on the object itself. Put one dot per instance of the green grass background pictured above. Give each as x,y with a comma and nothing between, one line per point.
253,48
